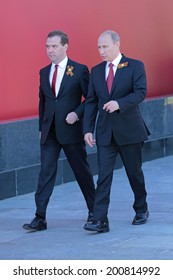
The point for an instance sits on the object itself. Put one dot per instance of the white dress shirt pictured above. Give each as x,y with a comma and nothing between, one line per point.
60,73
115,62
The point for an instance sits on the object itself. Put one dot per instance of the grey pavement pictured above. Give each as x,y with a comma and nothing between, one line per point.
65,238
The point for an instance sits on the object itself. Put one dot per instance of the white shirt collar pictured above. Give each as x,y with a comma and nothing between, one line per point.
62,64
116,61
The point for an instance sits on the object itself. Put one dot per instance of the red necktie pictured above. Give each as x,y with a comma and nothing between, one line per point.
110,77
54,79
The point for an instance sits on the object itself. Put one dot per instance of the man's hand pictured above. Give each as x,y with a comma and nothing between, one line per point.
71,118
111,106
88,137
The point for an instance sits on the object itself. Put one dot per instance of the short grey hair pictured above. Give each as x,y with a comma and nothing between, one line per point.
114,35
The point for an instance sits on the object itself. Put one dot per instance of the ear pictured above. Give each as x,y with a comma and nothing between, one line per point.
117,44
66,47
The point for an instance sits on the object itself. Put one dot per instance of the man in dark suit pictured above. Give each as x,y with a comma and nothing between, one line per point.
116,87
62,85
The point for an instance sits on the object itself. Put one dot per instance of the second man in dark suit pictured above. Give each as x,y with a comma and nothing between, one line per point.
117,86
62,85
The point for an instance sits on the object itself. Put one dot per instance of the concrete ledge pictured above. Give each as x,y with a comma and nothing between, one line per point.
20,151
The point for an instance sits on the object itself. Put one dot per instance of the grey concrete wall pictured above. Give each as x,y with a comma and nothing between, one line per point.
20,151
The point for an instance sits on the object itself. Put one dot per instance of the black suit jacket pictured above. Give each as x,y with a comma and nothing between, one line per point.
69,99
129,89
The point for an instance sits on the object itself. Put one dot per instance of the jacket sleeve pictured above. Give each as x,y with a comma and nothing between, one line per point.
84,81
91,108
139,89
41,107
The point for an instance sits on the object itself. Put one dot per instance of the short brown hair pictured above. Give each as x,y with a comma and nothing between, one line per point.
61,34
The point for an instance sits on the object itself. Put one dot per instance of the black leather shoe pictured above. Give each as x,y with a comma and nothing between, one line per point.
140,218
97,226
90,217
36,224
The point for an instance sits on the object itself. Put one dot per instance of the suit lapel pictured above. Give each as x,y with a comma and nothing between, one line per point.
118,74
66,77
46,79
102,77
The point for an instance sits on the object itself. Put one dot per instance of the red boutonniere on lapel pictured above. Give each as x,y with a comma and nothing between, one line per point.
121,65
70,71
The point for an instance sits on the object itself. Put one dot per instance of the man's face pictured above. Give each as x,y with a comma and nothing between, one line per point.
107,48
55,51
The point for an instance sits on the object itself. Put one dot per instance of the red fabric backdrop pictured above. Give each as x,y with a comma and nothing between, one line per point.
145,28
